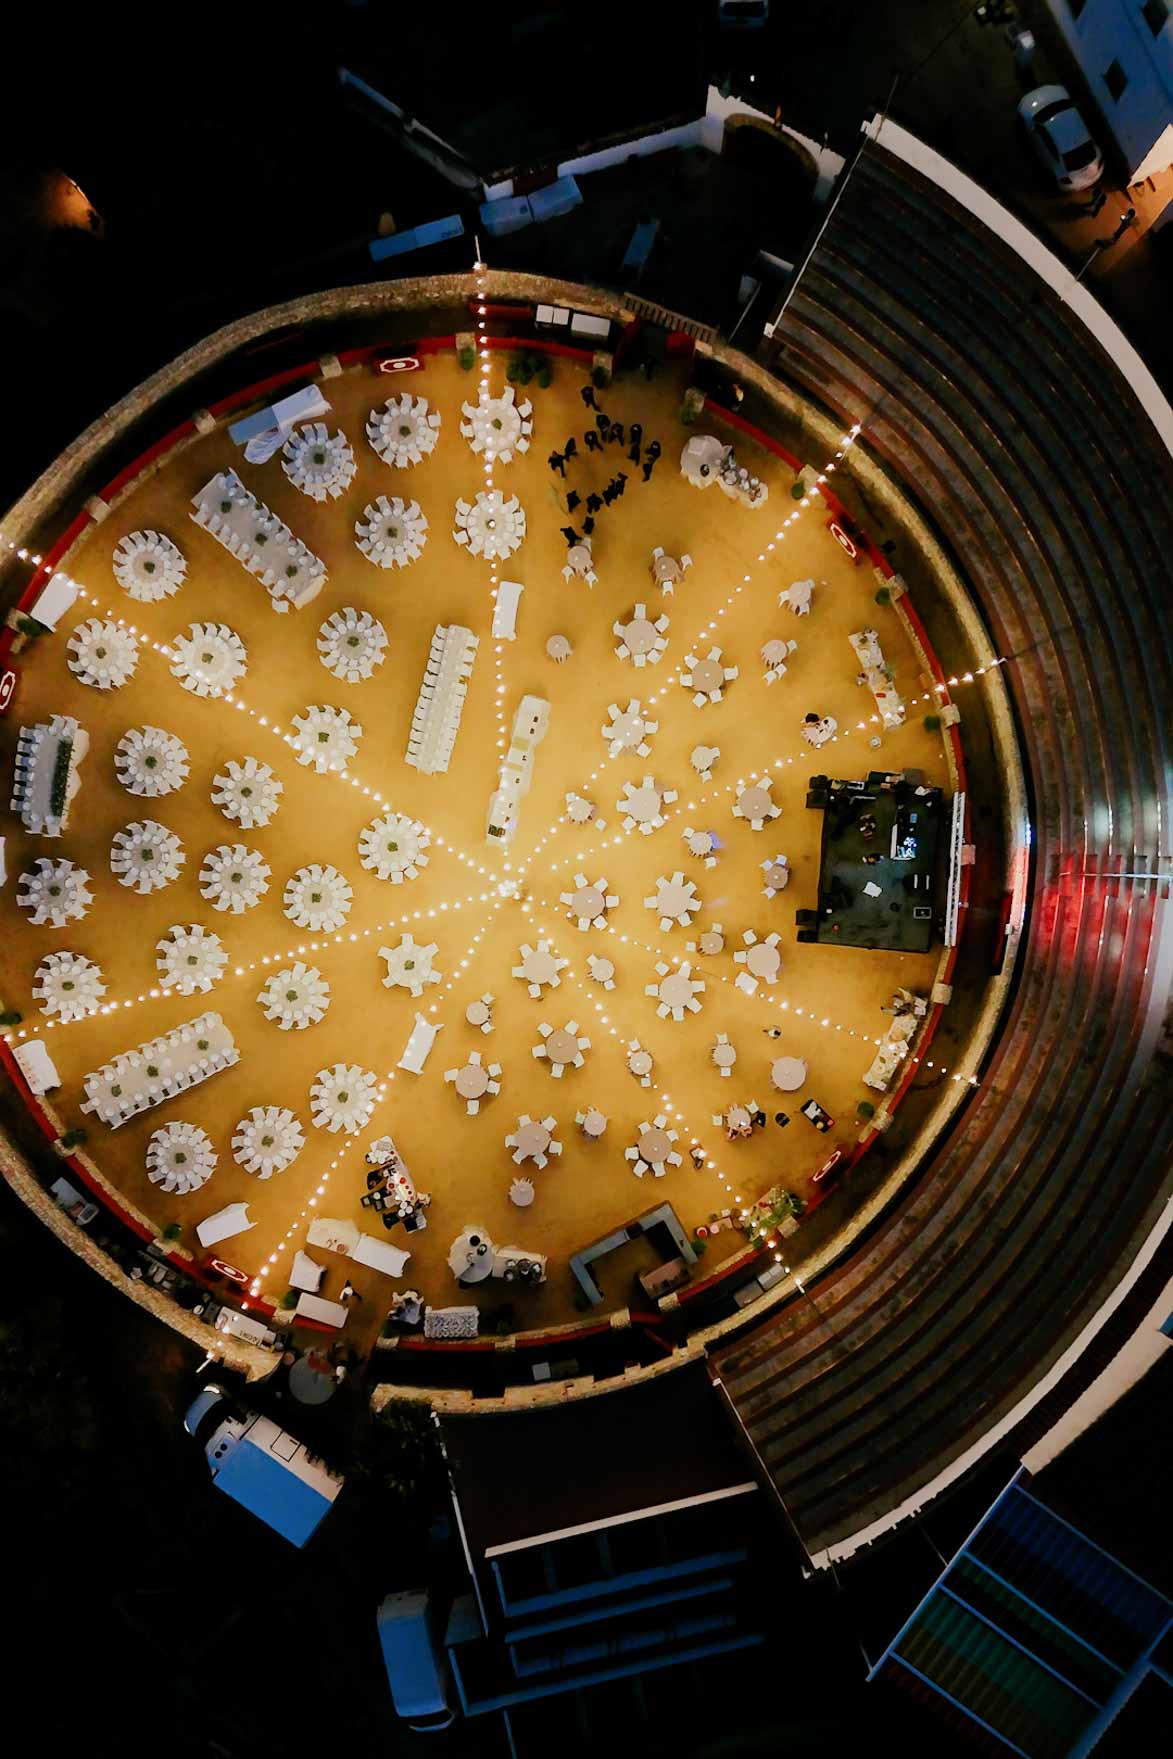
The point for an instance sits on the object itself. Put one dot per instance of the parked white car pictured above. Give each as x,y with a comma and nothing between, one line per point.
1061,137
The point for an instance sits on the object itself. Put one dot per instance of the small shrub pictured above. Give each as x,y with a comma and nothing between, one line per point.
797,490
173,1231
866,1109
288,1299
30,628
700,1247
544,375
73,1139
884,595
11,1017
932,723
466,358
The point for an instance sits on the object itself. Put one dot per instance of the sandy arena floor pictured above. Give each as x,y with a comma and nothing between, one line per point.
827,1001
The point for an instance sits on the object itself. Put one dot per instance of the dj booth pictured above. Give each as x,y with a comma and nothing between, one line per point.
880,883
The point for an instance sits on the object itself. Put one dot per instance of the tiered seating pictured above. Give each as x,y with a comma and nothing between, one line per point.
1023,447
436,720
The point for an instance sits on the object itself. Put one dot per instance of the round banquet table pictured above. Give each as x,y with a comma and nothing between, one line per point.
472,1081
777,875
676,899
666,568
531,1139
763,960
640,636
589,902
477,1013
737,1118
788,1074
602,970
593,1122
676,989
458,1257
755,802
653,1145
711,943
640,1063
708,676
724,1056
310,1384
540,967
562,1046
643,805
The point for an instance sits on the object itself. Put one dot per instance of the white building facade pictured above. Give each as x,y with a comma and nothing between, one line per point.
1125,49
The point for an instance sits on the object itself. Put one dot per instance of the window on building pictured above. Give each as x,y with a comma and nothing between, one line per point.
1115,79
1155,14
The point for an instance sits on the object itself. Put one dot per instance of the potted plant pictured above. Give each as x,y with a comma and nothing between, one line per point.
288,1299
693,405
173,1231
72,1139
866,1109
466,350
883,595
932,723
797,489
11,1017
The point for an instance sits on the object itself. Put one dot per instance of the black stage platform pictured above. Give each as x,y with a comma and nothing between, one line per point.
884,832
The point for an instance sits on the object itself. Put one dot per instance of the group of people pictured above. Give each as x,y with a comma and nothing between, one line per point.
604,433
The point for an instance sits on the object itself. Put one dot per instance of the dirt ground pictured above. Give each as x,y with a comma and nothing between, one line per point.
827,1001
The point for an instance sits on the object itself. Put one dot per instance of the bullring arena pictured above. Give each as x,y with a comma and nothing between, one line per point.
631,1013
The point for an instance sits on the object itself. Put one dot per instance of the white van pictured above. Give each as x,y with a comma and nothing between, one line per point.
417,1670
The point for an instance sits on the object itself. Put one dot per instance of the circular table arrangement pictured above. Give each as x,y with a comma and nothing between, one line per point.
494,526
558,649
180,1157
325,738
267,1140
150,762
707,677
754,802
593,1122
531,1139
391,533
403,430
711,943
343,1098
472,1081
149,566
209,660
392,847
146,856
234,878
724,1054
788,1073
764,960
190,959
295,998
102,655
317,462
639,636
561,1046
521,1192
351,644
470,1257
247,793
640,1063
477,1013
54,892
497,425
318,898
68,986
